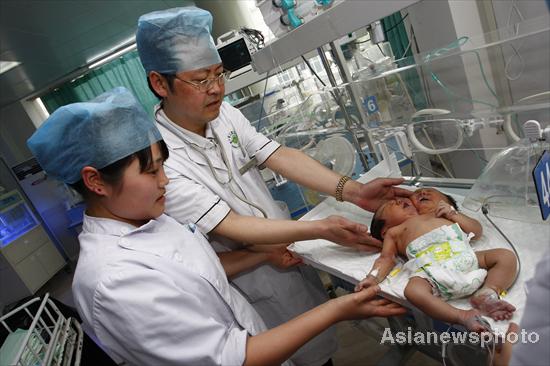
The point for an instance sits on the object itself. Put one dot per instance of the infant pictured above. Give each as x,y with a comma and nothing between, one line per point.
432,234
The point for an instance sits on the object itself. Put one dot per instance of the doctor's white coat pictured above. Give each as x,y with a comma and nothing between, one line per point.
195,195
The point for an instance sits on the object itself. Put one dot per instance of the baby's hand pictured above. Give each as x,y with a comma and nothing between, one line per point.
366,283
445,210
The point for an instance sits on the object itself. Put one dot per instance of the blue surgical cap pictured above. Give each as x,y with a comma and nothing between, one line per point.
95,133
176,40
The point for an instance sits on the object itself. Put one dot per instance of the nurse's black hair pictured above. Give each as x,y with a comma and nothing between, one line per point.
169,79
112,173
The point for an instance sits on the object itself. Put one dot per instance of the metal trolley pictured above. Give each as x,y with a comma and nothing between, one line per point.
50,339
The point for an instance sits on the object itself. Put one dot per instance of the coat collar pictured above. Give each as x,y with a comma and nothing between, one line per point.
139,238
177,137
105,226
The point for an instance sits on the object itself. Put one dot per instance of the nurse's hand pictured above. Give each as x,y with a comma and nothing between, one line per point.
347,233
503,354
276,254
373,194
366,283
281,258
364,304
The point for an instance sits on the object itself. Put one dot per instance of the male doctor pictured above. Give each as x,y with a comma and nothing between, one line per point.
215,156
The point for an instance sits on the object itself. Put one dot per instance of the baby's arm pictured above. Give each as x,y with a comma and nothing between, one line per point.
466,223
383,264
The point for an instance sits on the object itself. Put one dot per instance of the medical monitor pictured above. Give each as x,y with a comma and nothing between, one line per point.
235,53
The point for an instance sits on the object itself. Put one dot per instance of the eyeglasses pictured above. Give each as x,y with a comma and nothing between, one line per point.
207,84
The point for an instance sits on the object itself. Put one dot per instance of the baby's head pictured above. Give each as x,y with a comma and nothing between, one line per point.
390,214
426,199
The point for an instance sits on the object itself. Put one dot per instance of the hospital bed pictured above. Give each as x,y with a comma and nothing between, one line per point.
530,240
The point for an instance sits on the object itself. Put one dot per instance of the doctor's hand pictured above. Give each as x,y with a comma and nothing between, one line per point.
347,233
371,195
364,304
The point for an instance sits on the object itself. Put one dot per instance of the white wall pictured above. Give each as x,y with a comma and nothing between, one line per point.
233,14
533,55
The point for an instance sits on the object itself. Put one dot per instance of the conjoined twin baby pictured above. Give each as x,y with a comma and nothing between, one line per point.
435,237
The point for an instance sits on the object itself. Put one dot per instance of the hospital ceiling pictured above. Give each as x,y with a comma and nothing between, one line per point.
54,39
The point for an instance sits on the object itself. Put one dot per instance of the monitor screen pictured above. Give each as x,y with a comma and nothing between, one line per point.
235,55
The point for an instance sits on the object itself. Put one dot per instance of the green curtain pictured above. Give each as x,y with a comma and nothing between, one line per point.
124,71
396,34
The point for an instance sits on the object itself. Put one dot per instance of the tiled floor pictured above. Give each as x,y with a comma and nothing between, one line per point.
359,343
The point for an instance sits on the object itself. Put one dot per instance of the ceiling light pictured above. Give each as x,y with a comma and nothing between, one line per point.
112,53
6,66
42,107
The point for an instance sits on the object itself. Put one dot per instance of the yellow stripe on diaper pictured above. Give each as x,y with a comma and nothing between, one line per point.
395,272
439,252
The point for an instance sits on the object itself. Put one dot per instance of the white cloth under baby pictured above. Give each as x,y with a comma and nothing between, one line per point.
444,257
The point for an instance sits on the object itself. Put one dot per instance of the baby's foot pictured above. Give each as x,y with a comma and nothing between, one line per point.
486,300
473,321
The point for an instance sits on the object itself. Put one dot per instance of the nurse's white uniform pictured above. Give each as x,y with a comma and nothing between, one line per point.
194,195
158,295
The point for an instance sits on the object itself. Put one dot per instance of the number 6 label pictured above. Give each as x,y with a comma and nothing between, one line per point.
370,104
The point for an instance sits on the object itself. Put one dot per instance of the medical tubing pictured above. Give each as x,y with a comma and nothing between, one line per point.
262,104
319,78
508,62
534,96
408,46
444,348
264,214
485,210
313,71
230,176
397,24
440,51
381,51
226,162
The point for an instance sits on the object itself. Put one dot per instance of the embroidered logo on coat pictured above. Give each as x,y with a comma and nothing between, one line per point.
233,139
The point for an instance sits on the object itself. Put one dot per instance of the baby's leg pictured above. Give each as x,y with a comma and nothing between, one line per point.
501,271
419,293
